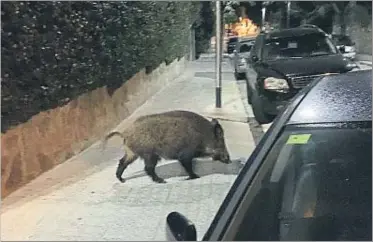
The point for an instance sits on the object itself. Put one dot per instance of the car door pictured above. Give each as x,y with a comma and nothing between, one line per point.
223,225
251,72
229,216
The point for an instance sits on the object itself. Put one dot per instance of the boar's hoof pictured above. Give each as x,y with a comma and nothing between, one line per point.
192,177
122,180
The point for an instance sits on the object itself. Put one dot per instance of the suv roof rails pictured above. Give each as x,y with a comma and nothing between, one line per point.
311,26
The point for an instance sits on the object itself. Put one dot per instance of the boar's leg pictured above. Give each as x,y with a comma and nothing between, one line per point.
122,165
150,164
186,162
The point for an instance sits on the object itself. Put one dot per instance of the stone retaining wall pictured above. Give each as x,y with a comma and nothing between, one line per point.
53,136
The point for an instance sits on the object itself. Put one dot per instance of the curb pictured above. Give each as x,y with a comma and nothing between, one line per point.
244,120
363,57
367,63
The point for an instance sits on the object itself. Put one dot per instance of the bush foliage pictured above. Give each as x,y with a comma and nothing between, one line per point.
53,52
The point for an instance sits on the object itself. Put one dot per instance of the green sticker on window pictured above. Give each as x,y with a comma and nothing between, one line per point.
298,139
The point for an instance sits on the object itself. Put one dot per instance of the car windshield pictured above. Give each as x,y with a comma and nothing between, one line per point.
342,40
233,40
298,47
316,185
246,47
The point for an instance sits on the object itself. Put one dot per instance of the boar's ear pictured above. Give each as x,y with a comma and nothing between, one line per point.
218,130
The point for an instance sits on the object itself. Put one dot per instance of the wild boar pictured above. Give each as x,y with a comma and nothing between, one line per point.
180,135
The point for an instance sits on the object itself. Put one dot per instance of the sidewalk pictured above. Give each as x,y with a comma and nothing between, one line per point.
364,57
82,200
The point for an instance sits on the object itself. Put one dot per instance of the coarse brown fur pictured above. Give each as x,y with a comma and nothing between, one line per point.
180,135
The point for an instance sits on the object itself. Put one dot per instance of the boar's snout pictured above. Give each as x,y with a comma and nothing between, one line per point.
222,157
221,152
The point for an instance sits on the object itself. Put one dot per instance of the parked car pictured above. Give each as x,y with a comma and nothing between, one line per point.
241,54
282,62
310,176
232,41
346,45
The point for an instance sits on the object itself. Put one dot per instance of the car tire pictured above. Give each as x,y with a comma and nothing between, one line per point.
248,92
260,116
239,76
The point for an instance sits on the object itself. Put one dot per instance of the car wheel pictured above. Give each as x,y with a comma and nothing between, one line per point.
239,76
259,114
235,74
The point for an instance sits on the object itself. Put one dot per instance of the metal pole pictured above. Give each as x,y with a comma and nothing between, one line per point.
288,14
218,47
263,16
192,44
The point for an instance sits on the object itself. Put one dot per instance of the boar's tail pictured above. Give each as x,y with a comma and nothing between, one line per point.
115,133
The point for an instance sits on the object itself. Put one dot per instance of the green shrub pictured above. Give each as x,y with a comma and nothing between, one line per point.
53,52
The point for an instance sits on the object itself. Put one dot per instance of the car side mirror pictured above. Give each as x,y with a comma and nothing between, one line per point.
342,49
179,228
254,58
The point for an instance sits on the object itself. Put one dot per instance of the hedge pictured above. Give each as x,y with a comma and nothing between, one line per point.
52,52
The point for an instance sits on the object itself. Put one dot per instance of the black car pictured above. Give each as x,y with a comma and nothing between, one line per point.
241,54
309,178
284,61
232,41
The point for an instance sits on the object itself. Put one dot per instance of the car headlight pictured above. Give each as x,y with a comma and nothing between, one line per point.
349,49
351,65
242,61
276,84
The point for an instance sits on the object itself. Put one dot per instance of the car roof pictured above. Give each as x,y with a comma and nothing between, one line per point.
298,31
337,98
244,39
232,38
247,42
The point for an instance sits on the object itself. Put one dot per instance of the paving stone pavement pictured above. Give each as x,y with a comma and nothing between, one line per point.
82,200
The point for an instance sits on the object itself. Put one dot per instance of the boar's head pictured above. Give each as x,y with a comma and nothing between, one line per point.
220,151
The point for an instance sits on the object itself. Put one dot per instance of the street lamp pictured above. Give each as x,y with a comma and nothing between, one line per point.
218,46
264,9
263,16
288,6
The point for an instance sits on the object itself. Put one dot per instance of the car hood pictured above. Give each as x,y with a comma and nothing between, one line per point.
309,65
244,55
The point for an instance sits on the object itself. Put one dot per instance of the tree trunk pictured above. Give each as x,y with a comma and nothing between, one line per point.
342,23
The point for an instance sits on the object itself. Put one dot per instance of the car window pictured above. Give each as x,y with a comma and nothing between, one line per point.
318,187
298,46
232,40
245,48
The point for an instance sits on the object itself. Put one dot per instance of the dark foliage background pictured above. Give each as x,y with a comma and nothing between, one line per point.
204,27
53,52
